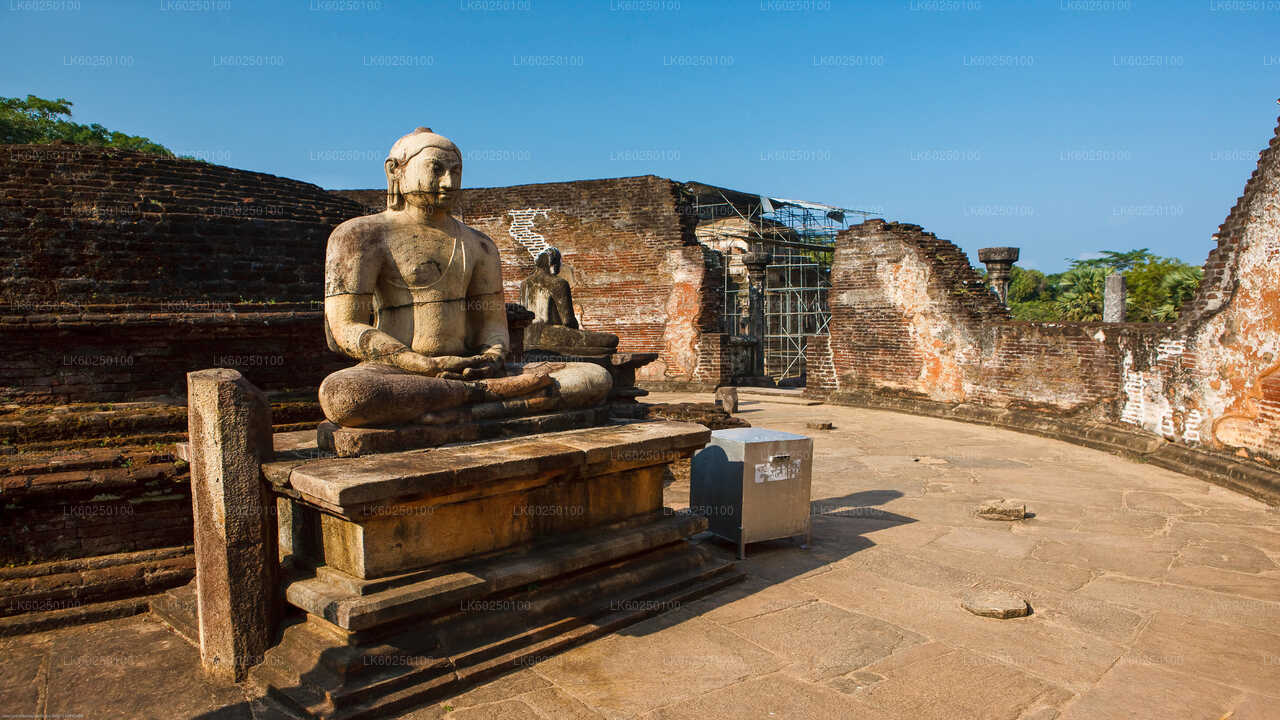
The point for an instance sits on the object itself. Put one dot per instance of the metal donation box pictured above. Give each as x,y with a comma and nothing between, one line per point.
753,484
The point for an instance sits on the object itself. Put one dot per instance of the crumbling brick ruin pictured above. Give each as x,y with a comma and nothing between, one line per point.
912,328
123,271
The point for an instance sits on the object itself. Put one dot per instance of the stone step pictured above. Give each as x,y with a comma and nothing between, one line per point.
776,395
77,615
503,572
177,608
438,678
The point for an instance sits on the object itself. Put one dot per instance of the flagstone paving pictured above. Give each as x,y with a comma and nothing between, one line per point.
1153,595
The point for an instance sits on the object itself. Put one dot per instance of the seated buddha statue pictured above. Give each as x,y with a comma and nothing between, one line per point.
555,327
416,297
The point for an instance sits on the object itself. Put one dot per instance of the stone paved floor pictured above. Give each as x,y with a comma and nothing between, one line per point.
1154,596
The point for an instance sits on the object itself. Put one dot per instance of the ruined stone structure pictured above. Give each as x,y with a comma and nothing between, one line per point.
124,271
912,327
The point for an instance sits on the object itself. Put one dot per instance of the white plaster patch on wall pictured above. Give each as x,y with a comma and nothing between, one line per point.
1169,348
1192,432
1134,403
1147,406
521,230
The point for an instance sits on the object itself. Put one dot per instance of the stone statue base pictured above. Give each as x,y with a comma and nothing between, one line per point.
473,560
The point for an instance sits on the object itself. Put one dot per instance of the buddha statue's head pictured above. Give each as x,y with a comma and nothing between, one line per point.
549,260
423,170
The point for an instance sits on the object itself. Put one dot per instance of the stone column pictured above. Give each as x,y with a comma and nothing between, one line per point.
999,262
756,261
229,430
1113,299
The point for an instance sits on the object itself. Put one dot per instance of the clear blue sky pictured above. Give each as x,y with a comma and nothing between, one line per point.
1060,126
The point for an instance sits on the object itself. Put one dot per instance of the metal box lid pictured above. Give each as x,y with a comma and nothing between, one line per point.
752,435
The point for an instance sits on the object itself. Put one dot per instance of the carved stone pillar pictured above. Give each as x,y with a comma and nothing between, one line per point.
999,262
756,261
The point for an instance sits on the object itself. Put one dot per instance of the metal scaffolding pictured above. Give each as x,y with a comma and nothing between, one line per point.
799,237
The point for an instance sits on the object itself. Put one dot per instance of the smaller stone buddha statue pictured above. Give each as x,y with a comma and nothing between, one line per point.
555,327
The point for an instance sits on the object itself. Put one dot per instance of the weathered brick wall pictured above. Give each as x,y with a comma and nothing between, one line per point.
121,353
905,307
1228,341
92,502
910,318
90,225
629,251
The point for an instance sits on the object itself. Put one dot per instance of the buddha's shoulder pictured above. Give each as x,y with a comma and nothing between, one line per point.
478,239
366,225
359,235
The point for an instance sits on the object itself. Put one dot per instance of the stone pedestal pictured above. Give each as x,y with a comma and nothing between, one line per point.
420,572
229,424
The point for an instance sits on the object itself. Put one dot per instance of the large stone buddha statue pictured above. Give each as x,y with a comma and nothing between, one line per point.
416,297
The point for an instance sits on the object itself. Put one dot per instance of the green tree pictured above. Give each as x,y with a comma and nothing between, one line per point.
38,120
1120,261
1080,293
1027,286
1147,293
1179,285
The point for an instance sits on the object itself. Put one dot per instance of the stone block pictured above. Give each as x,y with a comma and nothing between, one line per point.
995,604
727,399
229,423
1001,509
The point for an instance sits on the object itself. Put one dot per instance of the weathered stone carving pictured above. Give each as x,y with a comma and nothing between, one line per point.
555,327
416,297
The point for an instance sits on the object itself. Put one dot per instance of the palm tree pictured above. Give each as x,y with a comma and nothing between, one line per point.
1179,285
1080,294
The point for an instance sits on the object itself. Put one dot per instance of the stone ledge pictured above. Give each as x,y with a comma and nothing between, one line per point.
1241,476
346,485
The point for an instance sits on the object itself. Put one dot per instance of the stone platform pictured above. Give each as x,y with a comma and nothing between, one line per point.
419,572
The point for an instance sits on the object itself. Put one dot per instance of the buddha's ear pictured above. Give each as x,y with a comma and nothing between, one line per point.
395,199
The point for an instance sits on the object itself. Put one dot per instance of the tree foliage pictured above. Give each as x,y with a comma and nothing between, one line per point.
1157,288
38,120
1080,293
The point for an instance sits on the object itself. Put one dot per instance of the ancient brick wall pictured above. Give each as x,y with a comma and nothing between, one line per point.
121,353
630,253
910,318
90,225
1228,342
905,308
